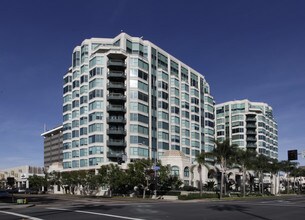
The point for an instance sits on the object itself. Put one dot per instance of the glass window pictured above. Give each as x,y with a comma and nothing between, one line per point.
83,152
175,171
83,162
186,172
96,83
96,105
95,139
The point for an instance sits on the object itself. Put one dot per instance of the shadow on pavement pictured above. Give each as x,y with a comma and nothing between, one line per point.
236,208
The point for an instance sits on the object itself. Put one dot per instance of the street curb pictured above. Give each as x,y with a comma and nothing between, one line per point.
14,206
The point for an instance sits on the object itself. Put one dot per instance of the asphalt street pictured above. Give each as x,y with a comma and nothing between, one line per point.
77,208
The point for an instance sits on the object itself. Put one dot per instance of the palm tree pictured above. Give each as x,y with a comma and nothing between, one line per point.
296,172
274,168
223,152
287,166
244,159
261,166
201,160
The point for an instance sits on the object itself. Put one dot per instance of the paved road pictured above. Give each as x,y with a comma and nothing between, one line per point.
79,209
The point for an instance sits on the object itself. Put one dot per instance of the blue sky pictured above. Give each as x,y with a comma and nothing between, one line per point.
245,49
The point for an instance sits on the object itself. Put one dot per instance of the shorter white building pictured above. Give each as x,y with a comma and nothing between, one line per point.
183,168
250,125
20,175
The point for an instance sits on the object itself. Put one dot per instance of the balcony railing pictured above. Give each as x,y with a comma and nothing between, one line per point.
116,108
115,154
116,131
116,143
250,119
116,63
116,75
249,132
121,120
116,85
116,96
251,146
250,126
251,139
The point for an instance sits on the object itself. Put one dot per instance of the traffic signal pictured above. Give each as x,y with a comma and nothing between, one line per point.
293,155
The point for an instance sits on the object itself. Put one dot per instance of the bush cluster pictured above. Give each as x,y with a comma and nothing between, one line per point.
197,196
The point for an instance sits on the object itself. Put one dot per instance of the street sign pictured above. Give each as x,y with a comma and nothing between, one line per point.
156,168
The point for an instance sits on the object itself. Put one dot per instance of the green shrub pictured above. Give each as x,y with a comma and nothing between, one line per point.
197,196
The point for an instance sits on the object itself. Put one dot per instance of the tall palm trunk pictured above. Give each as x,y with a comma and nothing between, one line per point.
262,179
221,185
244,181
200,178
276,186
274,179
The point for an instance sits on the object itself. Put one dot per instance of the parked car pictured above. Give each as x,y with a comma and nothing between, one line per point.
31,191
4,194
15,190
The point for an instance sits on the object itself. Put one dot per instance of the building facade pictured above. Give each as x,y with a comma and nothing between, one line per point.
125,99
181,166
53,146
248,125
20,175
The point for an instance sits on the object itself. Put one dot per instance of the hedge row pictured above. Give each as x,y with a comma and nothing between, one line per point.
197,196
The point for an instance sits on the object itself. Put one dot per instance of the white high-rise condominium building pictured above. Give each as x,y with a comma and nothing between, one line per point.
248,125
126,96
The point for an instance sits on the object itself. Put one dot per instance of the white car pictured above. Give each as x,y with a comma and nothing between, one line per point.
21,190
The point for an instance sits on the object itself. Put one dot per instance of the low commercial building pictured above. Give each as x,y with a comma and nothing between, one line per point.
20,175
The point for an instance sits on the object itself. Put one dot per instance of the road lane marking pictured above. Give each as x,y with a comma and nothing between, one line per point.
96,213
20,215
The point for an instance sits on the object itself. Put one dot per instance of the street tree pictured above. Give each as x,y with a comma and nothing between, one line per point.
223,153
244,160
202,162
37,182
287,166
274,168
114,177
139,173
166,180
261,164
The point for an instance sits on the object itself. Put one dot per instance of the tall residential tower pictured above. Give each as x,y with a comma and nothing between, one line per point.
248,125
126,97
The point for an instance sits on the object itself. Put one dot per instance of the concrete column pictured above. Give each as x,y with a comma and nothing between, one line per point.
27,184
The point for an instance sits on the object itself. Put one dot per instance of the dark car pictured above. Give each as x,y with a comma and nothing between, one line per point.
15,190
4,194
31,191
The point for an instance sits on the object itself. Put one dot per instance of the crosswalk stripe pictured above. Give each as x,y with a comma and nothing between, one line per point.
20,215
